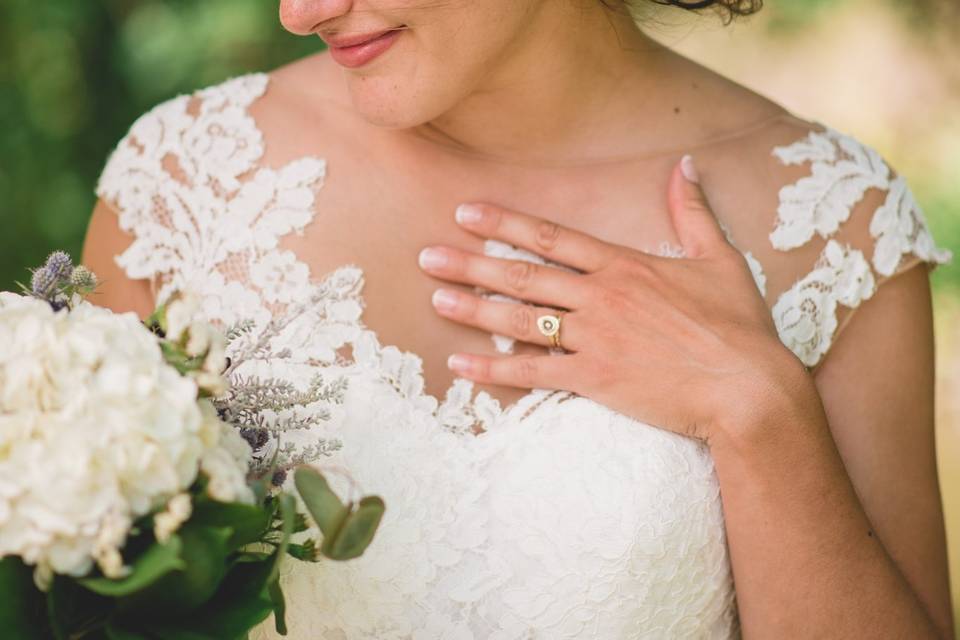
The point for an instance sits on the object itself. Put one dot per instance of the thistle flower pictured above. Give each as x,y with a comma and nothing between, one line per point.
60,266
83,279
59,283
43,282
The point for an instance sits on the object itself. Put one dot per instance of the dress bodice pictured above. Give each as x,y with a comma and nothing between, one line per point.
563,519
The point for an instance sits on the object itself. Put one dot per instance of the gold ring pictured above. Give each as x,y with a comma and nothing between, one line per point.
549,326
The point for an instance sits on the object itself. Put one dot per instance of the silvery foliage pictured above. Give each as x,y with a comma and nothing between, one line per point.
265,409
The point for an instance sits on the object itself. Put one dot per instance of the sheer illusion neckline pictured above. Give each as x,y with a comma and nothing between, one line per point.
653,154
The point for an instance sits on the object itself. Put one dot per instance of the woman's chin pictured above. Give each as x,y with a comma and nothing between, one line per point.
385,103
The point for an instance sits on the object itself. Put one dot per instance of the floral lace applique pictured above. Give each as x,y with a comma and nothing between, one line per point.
899,227
806,314
206,229
842,170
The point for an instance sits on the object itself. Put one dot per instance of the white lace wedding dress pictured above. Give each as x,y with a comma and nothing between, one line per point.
563,519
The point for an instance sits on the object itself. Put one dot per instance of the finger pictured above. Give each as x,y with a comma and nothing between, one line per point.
552,241
515,278
526,371
505,318
693,220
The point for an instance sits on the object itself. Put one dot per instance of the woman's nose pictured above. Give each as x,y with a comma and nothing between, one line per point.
302,17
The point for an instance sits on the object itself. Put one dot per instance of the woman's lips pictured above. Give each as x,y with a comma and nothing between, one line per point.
361,49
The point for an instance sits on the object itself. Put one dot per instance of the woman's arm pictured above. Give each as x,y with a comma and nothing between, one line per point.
116,291
832,508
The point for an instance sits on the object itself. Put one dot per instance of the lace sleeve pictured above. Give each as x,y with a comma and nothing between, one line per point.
859,219
188,185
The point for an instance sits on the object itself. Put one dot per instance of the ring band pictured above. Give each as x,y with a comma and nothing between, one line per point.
549,326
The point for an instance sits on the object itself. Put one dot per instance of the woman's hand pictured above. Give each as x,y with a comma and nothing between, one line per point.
685,344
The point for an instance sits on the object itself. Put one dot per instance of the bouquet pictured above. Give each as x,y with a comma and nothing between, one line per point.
133,501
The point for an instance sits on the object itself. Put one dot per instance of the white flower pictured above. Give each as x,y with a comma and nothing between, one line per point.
180,313
225,465
198,342
96,430
178,510
43,576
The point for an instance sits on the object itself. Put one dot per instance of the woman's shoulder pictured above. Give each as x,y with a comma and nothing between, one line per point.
183,139
824,219
191,184
217,132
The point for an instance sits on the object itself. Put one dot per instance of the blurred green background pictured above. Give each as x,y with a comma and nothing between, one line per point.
74,74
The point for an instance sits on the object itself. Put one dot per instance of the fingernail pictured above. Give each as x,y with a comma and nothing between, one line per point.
444,300
689,170
432,258
468,214
458,363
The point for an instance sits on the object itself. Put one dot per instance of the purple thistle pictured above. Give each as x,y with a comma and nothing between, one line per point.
43,282
60,265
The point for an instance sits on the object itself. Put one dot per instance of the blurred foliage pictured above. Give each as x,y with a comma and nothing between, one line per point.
74,74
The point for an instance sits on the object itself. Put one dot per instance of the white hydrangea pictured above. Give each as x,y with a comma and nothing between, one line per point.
95,431
178,511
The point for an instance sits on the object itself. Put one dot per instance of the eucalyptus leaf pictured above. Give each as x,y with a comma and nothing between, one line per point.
357,531
156,562
323,504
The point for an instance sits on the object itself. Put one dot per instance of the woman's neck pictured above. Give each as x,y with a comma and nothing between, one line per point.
559,96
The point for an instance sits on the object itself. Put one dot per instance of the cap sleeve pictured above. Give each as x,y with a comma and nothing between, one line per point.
187,182
859,222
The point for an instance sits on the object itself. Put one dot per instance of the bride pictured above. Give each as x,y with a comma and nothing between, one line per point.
619,334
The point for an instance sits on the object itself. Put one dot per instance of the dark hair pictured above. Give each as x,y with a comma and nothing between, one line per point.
728,9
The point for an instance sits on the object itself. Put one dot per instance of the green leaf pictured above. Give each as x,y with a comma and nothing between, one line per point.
279,607
204,561
307,552
322,503
156,562
74,611
22,605
288,511
158,318
241,603
356,533
300,523
115,633
248,522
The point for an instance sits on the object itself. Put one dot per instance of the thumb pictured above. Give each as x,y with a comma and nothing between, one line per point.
693,220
